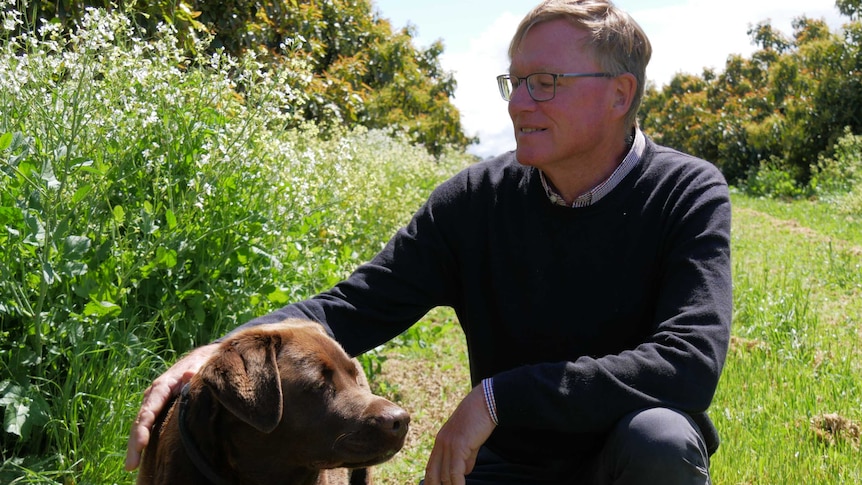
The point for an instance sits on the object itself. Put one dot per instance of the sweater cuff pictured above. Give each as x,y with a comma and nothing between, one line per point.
488,390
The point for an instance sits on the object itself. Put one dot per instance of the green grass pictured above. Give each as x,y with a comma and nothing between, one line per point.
797,352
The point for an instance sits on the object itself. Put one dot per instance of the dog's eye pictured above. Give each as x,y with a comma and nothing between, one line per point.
327,374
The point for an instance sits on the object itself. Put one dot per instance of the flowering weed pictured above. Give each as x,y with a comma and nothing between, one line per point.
150,202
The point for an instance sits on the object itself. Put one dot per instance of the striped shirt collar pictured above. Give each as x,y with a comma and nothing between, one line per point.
629,162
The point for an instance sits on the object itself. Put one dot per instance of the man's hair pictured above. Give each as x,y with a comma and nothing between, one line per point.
618,42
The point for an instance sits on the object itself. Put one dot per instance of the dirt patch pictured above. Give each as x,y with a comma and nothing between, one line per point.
429,383
429,391
794,227
741,344
832,429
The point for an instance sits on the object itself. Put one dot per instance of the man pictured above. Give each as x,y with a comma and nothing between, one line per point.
590,271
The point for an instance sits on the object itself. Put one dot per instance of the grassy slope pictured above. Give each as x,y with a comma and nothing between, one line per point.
789,406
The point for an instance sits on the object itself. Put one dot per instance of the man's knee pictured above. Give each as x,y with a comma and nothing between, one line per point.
660,431
660,443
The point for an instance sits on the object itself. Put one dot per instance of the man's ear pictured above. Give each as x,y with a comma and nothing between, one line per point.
244,377
625,87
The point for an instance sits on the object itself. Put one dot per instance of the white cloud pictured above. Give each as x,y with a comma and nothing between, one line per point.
483,111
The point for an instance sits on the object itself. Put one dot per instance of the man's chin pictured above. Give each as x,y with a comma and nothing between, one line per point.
527,158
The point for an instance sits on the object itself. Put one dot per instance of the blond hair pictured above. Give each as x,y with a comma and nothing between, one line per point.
618,42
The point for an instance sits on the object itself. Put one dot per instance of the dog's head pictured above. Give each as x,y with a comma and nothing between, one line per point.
302,398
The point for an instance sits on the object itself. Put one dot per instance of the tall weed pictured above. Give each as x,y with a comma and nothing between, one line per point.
774,179
835,179
151,202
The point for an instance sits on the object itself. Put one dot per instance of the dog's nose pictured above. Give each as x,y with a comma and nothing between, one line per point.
393,421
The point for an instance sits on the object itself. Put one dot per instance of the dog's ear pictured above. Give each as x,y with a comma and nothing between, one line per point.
244,377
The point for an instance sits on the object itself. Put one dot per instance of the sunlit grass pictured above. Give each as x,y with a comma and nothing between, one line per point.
796,355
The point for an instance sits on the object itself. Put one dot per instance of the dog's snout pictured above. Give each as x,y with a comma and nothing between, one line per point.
394,421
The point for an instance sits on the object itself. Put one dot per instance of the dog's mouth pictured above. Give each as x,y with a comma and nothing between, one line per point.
360,463
377,461
324,465
355,452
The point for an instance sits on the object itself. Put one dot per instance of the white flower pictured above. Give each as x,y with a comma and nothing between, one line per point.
9,23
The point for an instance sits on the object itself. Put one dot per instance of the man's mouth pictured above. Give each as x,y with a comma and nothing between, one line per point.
531,130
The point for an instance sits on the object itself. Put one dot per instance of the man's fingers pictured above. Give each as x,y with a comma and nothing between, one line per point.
470,463
157,396
456,474
446,466
432,469
446,463
139,436
138,439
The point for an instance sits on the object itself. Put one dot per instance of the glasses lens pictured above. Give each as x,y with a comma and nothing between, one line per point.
505,83
541,86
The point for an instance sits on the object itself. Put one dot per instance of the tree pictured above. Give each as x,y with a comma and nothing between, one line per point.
850,8
786,106
363,73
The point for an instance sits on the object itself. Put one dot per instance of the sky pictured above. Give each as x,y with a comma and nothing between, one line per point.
686,35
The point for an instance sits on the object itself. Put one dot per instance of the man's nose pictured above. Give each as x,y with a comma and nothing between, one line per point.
520,100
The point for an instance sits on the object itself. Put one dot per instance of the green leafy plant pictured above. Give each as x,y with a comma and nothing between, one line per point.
841,172
771,179
152,199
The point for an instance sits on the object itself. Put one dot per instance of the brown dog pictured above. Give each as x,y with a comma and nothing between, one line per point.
277,404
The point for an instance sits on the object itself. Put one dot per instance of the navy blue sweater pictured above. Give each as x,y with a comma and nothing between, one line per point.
580,315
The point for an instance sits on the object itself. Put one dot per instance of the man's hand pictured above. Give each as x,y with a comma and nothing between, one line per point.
157,396
458,441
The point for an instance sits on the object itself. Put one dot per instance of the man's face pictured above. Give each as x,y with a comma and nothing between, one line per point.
578,124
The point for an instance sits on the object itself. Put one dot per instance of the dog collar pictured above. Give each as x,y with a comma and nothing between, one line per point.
192,450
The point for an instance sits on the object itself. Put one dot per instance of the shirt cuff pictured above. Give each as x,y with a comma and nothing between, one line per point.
488,389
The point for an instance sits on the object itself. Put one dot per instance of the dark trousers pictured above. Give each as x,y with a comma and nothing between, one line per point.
653,446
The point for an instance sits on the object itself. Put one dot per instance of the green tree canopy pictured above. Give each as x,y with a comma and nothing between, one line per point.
362,72
786,105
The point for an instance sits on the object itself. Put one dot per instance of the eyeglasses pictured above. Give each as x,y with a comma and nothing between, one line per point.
542,86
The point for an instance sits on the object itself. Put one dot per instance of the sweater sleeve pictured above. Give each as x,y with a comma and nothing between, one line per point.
677,365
